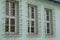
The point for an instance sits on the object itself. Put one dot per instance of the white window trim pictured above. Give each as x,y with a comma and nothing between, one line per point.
50,26
31,19
10,17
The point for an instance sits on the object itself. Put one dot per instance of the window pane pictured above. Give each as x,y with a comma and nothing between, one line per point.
6,28
47,25
32,23
32,9
32,15
12,29
7,8
13,9
47,18
48,31
32,29
47,12
12,21
7,21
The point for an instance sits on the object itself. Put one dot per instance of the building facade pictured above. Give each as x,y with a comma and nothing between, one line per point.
29,20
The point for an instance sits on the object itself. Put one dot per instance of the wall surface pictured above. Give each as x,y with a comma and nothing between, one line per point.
23,21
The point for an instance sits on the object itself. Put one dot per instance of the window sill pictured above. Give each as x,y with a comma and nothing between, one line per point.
11,34
50,35
32,35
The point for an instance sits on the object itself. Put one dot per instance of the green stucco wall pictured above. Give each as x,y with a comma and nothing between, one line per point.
23,21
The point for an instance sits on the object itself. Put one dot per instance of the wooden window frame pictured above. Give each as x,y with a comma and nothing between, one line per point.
49,21
30,18
10,17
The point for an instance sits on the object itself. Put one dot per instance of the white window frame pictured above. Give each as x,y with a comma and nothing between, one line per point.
10,17
49,21
30,19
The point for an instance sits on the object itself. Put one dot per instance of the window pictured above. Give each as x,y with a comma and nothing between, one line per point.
32,19
49,27
10,16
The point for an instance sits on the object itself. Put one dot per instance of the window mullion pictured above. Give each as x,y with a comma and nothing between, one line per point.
50,21
9,25
34,20
30,19
9,15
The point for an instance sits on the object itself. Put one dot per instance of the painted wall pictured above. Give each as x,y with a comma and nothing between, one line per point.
23,21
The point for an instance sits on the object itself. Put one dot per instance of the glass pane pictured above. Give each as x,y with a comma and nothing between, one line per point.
47,25
6,28
13,9
7,8
12,21
48,31
7,21
32,29
32,23
12,29
32,9
32,15
47,12
47,18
